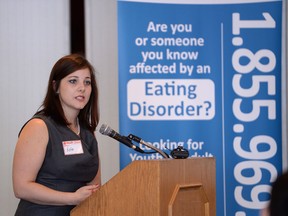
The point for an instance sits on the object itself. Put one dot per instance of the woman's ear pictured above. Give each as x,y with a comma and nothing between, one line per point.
54,87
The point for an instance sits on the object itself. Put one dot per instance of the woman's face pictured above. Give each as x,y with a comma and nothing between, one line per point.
75,90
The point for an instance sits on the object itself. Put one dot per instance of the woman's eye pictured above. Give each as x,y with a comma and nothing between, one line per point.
87,82
73,81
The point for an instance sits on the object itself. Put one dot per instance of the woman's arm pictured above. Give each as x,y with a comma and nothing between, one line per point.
28,158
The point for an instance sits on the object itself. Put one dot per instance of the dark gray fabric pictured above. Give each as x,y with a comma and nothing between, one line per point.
63,172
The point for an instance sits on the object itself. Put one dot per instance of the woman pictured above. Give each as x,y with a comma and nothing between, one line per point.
56,164
279,196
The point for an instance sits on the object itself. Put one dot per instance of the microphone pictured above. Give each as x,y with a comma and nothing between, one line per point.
139,140
106,130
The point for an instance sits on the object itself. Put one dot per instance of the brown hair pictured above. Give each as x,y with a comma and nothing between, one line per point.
51,106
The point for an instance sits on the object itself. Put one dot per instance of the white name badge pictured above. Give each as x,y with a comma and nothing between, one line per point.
72,147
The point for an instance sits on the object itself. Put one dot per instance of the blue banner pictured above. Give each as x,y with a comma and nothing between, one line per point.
206,77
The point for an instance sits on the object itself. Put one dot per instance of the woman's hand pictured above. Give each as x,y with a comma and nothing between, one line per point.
84,192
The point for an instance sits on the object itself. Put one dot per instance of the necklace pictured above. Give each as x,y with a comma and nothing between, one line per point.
78,127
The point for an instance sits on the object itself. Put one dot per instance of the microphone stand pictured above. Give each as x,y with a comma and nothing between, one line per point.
141,141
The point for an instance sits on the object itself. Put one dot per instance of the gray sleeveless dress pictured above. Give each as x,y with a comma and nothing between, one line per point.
63,171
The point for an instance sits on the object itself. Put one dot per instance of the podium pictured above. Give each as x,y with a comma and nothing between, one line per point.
173,187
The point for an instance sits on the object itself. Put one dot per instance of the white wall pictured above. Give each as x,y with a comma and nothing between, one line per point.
33,35
101,50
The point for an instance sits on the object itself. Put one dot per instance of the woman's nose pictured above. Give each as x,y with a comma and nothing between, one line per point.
81,87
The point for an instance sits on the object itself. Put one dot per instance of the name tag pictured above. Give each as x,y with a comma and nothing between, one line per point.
72,147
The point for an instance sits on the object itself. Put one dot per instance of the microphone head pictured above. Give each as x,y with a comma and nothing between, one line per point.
105,129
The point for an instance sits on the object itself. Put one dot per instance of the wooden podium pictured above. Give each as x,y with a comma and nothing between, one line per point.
173,187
